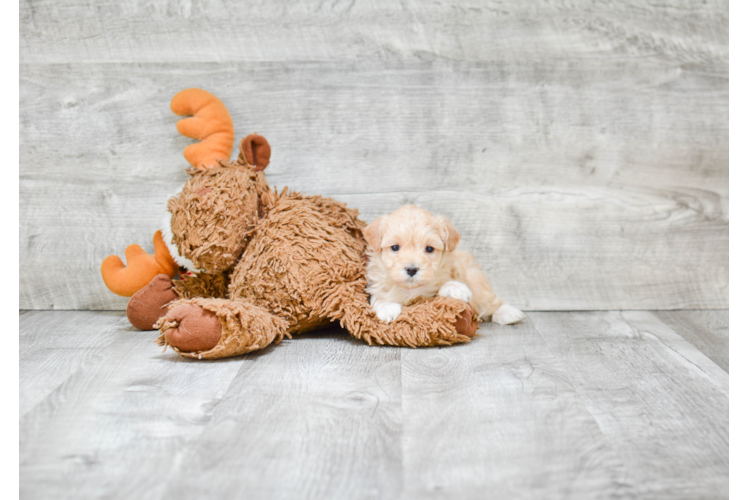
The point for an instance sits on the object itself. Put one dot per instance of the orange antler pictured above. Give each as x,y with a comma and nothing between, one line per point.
210,123
141,267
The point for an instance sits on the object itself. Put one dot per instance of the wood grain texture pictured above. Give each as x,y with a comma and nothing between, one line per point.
56,345
580,149
561,214
474,30
733,433
114,428
582,405
661,404
500,416
705,330
317,417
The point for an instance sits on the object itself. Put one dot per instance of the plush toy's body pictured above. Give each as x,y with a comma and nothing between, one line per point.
267,265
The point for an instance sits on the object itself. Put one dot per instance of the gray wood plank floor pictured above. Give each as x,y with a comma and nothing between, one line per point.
574,405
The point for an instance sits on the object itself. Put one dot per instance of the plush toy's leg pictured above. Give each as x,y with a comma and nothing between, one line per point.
202,285
467,322
207,328
149,304
438,321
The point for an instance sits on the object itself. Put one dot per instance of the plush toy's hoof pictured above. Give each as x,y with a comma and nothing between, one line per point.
466,324
148,305
198,329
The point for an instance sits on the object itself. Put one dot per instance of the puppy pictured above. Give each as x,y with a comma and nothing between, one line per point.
414,254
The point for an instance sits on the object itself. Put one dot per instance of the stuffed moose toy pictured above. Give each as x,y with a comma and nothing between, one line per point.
237,265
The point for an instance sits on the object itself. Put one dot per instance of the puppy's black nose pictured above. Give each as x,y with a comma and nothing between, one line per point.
412,270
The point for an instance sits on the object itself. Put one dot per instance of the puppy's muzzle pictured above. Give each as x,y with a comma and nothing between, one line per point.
412,270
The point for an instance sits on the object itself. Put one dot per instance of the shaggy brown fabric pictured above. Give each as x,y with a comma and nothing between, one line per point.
245,328
427,323
213,214
304,266
202,285
302,251
149,304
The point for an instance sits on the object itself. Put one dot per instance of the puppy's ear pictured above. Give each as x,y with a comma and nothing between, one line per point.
374,232
450,236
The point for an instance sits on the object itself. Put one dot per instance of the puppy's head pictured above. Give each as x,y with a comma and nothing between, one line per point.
410,244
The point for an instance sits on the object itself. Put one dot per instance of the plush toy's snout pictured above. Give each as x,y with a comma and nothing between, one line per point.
212,215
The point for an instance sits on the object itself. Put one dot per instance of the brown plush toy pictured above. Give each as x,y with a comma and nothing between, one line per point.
262,264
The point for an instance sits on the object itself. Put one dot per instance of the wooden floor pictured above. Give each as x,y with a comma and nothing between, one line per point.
611,404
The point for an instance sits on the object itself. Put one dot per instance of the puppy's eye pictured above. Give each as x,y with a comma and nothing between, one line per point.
429,249
395,248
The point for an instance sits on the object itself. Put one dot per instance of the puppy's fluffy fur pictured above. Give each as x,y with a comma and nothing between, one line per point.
414,254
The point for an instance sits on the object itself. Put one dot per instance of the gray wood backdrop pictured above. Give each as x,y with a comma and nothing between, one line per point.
580,147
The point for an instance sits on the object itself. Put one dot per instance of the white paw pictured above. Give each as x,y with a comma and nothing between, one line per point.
507,315
456,290
388,311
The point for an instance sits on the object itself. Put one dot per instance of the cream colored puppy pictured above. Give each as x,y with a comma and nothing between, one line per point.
413,254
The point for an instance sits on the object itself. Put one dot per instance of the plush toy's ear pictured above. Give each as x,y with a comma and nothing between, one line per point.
374,232
256,151
450,236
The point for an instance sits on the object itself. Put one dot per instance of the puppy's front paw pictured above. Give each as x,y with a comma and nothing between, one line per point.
507,315
456,290
388,311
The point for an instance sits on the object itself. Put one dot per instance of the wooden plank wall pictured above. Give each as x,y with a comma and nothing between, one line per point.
580,147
